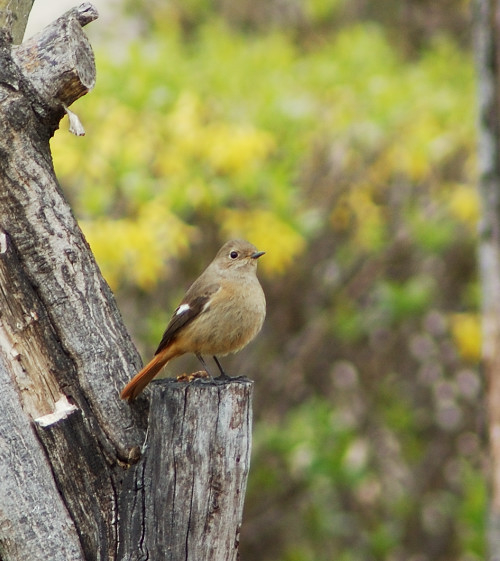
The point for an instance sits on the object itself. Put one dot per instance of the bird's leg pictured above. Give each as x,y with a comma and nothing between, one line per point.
223,375
204,364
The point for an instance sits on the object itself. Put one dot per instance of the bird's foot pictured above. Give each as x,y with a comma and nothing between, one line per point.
199,375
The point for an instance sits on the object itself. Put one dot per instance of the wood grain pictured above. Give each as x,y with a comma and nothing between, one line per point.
193,478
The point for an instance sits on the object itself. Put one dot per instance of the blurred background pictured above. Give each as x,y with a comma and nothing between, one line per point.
338,136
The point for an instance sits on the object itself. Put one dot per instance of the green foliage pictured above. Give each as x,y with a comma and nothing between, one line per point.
321,456
353,168
471,512
225,120
407,299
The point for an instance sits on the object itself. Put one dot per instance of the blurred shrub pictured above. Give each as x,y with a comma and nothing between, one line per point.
353,167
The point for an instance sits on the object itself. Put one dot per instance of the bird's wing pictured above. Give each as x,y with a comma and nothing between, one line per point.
189,308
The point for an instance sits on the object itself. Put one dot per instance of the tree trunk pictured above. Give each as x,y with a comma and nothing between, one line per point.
73,484
487,51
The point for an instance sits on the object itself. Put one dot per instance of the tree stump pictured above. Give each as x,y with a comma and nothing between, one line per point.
194,474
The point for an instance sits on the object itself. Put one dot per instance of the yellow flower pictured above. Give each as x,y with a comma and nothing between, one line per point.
466,332
464,204
269,233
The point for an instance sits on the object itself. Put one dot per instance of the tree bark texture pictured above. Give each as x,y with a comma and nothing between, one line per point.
487,38
196,462
34,523
49,244
73,484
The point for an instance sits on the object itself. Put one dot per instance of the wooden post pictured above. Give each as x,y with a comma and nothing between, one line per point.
73,485
196,462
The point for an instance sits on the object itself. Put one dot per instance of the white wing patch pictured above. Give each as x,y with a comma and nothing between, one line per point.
181,309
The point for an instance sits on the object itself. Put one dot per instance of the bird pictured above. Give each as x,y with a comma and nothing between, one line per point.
221,312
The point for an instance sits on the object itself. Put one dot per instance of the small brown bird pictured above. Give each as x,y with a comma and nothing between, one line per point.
222,311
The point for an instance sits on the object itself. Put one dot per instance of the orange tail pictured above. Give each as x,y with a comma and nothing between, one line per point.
144,376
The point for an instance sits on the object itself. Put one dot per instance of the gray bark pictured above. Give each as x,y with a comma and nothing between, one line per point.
487,51
73,484
34,523
197,458
198,462
50,246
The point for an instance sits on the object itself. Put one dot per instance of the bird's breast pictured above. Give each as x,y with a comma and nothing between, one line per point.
230,321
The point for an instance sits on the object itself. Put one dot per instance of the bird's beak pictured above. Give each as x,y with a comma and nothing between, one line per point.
257,254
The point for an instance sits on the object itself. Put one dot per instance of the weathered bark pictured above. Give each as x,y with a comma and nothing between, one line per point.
61,335
487,50
34,523
50,246
86,482
195,468
71,483
58,62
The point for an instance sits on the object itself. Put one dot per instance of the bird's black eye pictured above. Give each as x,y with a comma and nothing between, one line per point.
233,254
